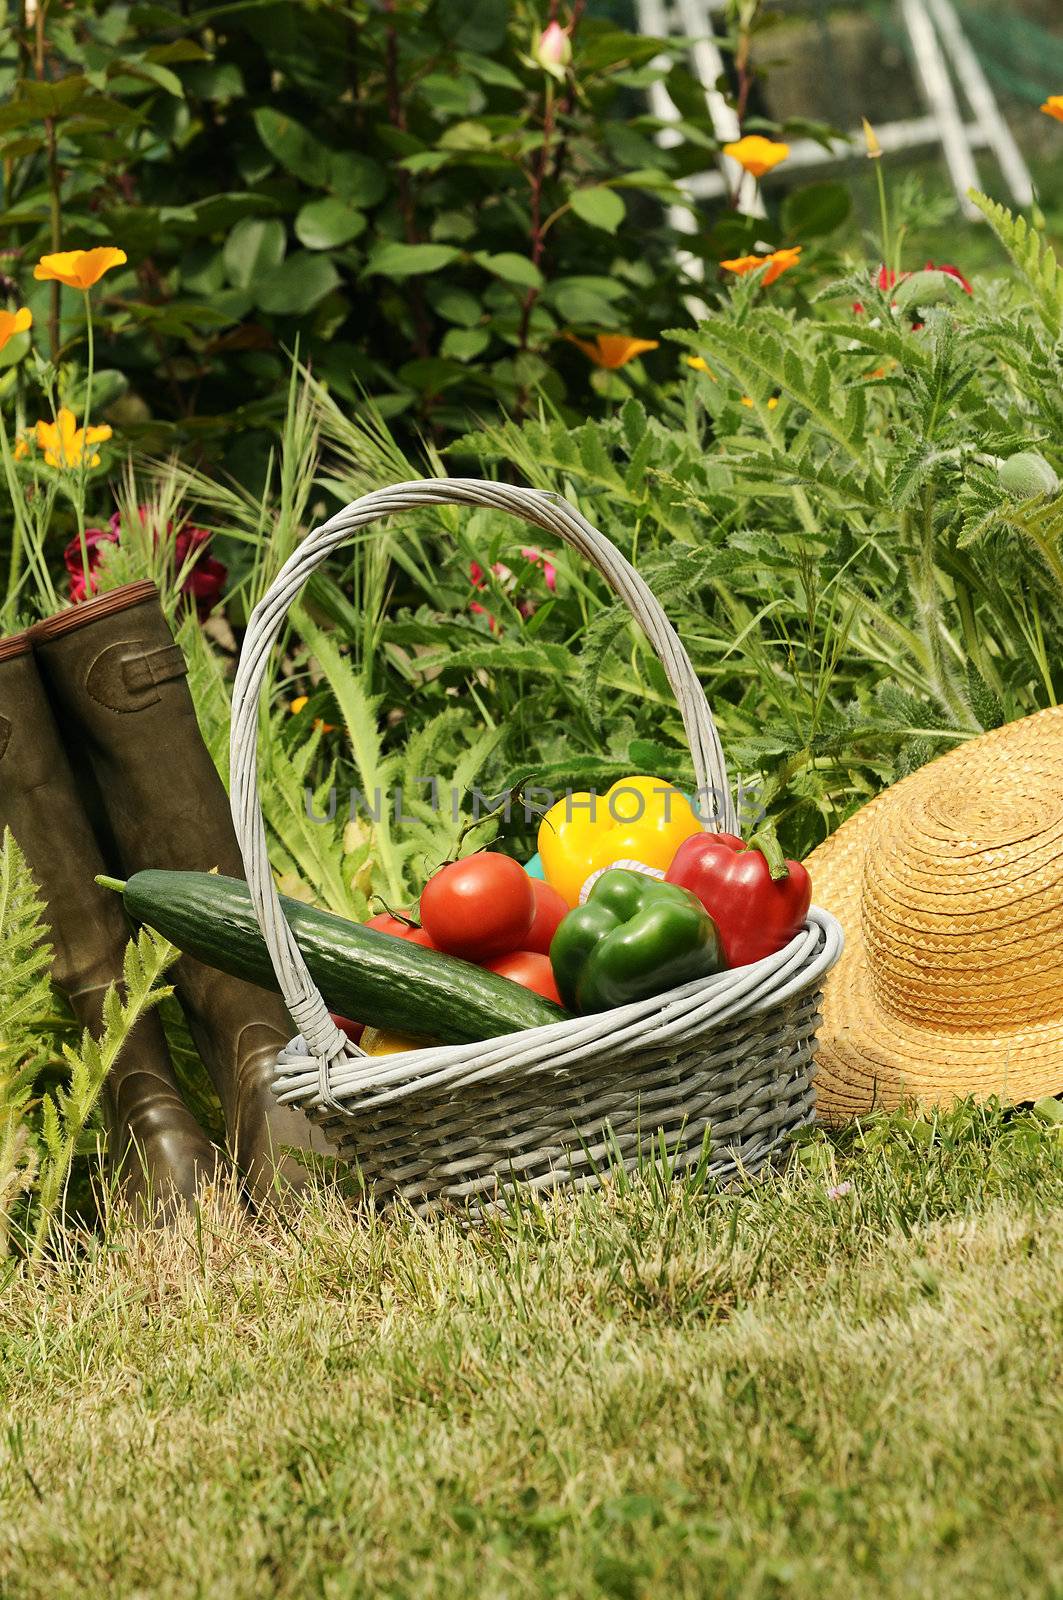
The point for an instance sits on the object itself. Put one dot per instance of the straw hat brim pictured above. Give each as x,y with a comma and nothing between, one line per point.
870,1059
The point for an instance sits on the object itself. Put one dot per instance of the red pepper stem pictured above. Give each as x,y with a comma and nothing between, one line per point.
768,844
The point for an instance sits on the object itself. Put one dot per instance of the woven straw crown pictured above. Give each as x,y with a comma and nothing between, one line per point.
950,890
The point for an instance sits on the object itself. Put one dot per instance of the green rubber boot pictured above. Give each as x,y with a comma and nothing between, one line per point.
116,679
162,1154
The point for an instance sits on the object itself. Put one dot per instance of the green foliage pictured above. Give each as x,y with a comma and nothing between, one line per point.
25,1002
41,1130
66,1110
400,188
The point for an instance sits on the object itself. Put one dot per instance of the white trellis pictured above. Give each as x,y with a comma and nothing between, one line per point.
946,67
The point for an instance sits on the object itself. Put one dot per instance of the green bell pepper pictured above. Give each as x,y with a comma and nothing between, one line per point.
633,937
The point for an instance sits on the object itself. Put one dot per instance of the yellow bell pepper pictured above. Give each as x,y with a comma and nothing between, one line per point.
386,1042
638,819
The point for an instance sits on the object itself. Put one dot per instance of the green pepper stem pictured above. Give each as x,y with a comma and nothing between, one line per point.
766,841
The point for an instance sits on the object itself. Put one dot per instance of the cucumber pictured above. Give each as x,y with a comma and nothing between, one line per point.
362,973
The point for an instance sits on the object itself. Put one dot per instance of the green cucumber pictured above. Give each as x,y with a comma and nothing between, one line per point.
361,972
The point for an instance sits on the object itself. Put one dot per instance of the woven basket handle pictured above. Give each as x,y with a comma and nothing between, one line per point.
555,516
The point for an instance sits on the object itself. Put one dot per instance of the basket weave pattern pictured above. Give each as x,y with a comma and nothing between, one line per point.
718,1070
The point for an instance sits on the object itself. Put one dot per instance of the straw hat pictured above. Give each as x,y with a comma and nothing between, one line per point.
949,887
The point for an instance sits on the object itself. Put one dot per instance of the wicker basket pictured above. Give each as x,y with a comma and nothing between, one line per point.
718,1071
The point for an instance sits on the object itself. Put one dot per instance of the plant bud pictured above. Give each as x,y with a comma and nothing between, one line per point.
553,50
1027,474
927,288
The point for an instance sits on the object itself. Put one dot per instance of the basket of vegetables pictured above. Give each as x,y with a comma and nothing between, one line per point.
654,990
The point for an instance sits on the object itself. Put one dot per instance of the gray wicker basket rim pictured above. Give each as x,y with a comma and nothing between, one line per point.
321,1067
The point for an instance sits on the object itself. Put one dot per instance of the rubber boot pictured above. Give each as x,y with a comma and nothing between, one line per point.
161,1152
118,683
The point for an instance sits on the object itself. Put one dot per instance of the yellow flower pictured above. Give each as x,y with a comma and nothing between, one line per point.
757,155
612,350
22,448
773,401
701,365
78,269
1053,107
874,149
64,443
12,322
777,263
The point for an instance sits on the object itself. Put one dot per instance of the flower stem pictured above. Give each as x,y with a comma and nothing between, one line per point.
884,217
85,447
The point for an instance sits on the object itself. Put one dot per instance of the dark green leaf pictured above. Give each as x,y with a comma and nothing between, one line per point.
395,260
293,146
455,305
465,344
478,25
355,178
326,224
254,248
600,207
297,285
819,209
490,71
512,268
215,80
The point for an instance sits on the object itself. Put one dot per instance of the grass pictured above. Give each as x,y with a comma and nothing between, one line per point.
779,1391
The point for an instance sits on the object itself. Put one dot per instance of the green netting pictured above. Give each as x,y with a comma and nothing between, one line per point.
1020,56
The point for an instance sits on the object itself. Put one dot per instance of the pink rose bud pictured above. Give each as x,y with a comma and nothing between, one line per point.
553,50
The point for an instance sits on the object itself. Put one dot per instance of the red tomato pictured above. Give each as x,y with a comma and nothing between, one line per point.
353,1030
549,910
479,907
530,968
384,922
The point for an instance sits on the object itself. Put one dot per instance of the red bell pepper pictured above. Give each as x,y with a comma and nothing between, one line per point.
756,913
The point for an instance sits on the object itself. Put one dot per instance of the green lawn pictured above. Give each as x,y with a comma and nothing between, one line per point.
658,1392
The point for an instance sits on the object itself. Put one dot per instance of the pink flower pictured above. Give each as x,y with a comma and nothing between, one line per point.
553,50
204,578
526,607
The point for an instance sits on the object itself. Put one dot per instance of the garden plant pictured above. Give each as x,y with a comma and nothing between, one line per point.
433,241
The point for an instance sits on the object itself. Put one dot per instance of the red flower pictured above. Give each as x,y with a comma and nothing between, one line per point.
525,607
887,279
76,561
953,272
204,575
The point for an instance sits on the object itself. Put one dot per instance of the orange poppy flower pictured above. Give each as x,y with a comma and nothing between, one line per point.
78,269
64,443
1053,107
757,155
612,350
12,322
300,703
777,263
